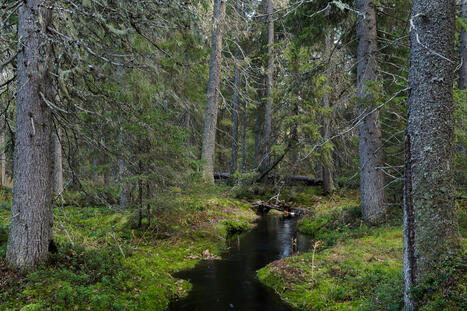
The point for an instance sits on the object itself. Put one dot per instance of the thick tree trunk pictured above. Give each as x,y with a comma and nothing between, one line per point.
463,49
430,220
31,212
327,168
269,86
210,120
234,157
58,162
371,152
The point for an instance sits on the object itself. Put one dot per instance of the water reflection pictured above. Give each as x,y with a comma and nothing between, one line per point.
231,283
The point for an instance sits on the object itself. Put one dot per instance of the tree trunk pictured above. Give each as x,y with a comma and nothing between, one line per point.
371,152
125,188
210,120
233,160
269,86
430,220
327,163
463,49
31,212
94,169
244,120
2,153
58,162
259,126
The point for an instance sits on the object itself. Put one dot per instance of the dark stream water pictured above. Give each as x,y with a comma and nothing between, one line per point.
231,283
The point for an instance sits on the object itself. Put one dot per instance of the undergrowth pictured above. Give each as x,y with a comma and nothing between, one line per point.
112,265
357,266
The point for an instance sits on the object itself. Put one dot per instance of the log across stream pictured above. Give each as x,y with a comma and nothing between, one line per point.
231,283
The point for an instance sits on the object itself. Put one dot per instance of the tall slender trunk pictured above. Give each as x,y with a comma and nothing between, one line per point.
269,86
430,220
3,153
327,161
463,49
31,212
210,119
259,126
233,159
187,127
94,169
244,120
58,162
125,187
371,152
140,194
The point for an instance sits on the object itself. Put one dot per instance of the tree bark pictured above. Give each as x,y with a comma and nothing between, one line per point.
58,162
244,120
31,216
463,49
125,187
3,154
210,120
430,220
269,86
234,157
371,152
259,127
327,168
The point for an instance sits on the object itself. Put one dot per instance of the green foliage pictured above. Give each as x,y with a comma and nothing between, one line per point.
446,286
115,267
344,276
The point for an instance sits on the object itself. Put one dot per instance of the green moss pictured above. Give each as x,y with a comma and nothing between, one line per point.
115,266
344,276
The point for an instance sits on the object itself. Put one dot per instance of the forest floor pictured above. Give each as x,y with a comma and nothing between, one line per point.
358,267
113,265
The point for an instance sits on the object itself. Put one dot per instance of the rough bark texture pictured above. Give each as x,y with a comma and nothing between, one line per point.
371,153
58,162
463,49
234,157
327,168
269,86
210,120
430,220
31,216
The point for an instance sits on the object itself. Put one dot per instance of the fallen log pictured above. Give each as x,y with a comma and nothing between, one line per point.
263,208
290,180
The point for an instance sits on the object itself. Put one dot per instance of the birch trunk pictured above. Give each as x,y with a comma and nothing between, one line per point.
430,220
210,120
371,153
31,212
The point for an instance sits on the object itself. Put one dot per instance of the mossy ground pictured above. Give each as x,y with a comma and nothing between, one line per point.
114,266
356,266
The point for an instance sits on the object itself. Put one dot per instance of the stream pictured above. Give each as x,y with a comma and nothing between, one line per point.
231,283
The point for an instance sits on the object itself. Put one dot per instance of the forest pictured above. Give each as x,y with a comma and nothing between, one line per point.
233,155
